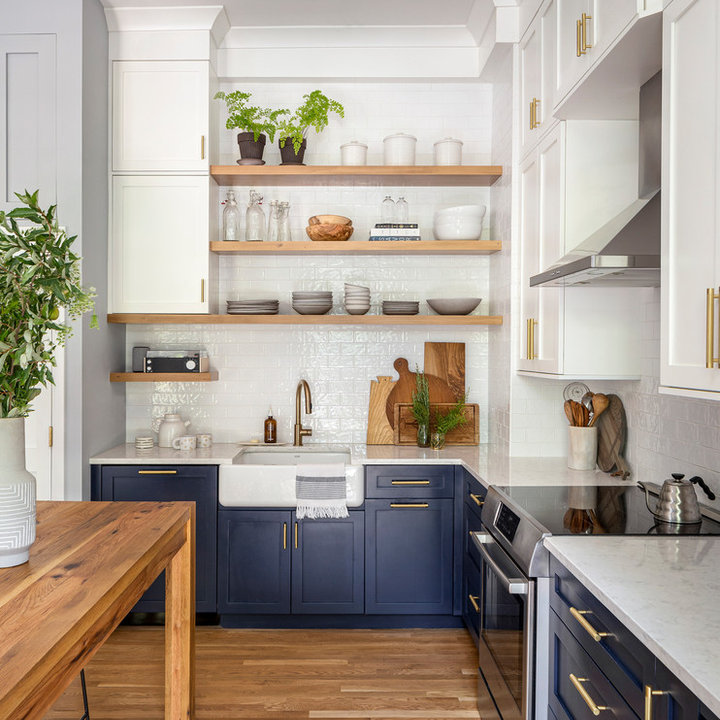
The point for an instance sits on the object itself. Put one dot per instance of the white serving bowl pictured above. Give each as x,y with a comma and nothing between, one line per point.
462,228
461,211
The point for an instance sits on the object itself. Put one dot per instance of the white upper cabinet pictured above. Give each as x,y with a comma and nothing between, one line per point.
160,116
690,314
159,259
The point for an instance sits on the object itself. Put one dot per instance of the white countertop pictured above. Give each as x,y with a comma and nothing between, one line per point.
665,590
126,454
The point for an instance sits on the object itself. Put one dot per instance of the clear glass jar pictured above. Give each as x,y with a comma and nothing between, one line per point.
255,219
387,210
284,222
437,440
231,218
273,221
402,210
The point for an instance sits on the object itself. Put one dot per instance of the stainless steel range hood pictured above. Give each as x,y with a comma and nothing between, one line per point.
630,242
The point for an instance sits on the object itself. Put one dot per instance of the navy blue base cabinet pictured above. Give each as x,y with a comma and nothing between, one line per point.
271,563
197,483
473,499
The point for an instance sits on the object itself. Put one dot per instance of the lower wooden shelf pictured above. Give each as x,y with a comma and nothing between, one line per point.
358,247
163,377
199,319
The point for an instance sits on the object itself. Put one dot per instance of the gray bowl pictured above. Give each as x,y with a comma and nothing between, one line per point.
453,306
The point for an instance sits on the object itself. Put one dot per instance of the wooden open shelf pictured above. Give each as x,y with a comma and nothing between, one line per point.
199,319
163,377
359,247
404,175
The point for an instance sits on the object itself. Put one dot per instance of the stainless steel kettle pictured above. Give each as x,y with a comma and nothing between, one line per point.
677,502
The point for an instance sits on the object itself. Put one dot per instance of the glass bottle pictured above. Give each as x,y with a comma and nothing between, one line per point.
255,219
231,218
402,210
273,221
284,222
387,208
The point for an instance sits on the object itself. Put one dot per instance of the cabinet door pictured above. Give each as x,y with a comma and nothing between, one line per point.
530,87
159,244
409,556
160,116
675,702
197,484
608,18
691,193
328,565
572,58
254,561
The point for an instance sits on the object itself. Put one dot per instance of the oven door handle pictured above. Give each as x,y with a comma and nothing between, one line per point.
514,586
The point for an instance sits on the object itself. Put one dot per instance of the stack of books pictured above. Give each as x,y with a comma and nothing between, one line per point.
395,231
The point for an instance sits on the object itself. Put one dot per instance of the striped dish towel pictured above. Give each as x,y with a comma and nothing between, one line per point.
321,491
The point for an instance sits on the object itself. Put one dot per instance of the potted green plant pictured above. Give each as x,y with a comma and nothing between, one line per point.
254,121
446,422
39,277
292,131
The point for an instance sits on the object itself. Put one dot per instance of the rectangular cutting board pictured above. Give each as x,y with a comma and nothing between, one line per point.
406,427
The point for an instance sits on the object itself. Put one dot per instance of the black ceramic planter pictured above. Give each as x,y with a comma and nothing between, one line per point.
288,154
251,149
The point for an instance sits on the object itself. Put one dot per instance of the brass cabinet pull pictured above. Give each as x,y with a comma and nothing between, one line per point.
409,482
296,536
284,536
409,505
157,472
476,499
711,297
202,147
649,692
578,38
591,631
530,339
532,114
528,350
577,682
202,290
473,601
585,44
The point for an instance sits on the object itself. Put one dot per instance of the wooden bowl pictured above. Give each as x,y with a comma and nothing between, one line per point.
329,220
329,231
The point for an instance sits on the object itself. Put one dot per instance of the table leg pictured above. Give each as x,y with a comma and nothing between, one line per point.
180,630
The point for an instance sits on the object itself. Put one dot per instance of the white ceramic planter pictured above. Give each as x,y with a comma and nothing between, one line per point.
582,448
353,153
17,495
399,149
448,152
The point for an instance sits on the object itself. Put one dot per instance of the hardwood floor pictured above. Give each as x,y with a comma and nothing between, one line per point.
288,675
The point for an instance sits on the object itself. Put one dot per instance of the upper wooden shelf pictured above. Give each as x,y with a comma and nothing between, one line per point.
163,377
359,247
191,319
404,175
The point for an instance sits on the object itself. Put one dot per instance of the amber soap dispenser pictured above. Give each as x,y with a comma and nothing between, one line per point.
270,428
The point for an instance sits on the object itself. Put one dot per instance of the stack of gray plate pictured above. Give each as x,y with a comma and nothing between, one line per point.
253,307
312,302
357,299
400,307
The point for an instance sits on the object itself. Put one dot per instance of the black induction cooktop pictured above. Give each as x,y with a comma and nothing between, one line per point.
601,510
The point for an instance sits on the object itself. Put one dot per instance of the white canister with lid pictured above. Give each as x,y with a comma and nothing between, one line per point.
172,426
399,149
353,153
448,151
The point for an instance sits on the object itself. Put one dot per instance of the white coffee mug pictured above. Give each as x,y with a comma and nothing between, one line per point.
204,440
185,442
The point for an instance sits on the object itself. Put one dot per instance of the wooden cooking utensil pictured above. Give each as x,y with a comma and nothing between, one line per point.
577,413
600,404
568,411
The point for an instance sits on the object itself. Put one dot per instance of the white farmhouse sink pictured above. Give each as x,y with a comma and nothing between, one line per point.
262,477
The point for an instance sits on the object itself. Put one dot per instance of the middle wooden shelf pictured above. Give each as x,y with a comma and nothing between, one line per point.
199,319
359,247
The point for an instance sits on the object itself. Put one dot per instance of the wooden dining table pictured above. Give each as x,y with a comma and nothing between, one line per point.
90,564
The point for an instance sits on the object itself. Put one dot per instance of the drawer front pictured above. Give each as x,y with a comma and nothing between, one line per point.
579,690
471,524
473,494
409,481
472,580
620,655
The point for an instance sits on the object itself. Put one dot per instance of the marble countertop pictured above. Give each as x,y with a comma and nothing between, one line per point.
665,591
126,454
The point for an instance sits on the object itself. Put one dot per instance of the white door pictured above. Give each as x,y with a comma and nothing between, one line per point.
691,193
160,116
159,244
28,143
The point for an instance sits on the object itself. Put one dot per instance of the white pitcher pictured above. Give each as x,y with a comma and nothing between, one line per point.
170,427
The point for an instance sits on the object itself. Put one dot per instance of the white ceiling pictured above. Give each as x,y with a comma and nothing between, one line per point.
293,13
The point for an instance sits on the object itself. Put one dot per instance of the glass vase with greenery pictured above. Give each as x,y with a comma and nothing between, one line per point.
445,422
421,408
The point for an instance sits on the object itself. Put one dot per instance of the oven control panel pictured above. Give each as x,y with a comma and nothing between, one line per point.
507,522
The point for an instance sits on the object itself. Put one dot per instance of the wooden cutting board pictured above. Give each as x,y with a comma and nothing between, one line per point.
405,431
612,433
440,391
447,361
379,430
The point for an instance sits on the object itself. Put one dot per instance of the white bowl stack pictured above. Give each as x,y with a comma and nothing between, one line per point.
463,222
357,299
312,302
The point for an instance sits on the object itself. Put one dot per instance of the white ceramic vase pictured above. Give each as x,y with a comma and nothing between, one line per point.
17,495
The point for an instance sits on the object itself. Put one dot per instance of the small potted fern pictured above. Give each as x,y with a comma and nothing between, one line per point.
292,130
444,423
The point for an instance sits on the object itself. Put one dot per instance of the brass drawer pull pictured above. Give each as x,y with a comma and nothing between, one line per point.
157,472
473,601
202,147
296,536
649,692
710,359
476,499
591,631
284,536
409,482
578,38
409,505
577,682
